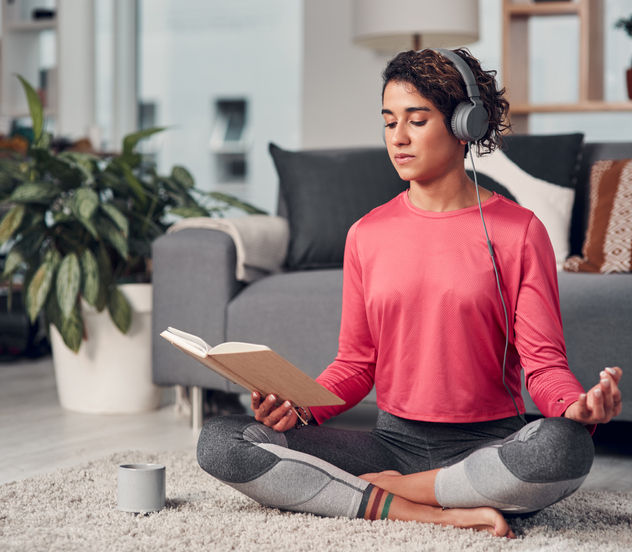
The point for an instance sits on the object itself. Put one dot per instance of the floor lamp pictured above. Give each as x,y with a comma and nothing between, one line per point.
390,26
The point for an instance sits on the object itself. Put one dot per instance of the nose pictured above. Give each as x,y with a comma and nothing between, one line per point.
400,135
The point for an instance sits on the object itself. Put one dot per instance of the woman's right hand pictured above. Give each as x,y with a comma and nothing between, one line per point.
280,418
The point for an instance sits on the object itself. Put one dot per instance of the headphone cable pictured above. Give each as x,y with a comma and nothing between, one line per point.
491,252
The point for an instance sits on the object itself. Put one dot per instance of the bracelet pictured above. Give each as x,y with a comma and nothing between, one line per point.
302,415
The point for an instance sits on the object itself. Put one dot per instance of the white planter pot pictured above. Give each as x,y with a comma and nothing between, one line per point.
111,373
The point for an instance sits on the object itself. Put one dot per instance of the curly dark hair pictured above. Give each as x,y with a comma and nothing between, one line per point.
436,79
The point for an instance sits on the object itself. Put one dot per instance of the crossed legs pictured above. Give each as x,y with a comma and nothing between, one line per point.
310,470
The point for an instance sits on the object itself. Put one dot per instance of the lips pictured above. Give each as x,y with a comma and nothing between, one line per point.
403,158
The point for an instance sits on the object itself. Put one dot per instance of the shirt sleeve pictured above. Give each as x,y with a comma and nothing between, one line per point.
351,375
539,336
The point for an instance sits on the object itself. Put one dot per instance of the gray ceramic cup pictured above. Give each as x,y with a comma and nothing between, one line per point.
141,487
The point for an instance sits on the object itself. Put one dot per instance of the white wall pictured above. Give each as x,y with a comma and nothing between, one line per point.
196,52
342,83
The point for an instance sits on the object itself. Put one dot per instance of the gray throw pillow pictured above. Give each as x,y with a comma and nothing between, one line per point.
324,193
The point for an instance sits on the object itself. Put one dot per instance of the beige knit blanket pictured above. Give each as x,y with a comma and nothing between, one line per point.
261,241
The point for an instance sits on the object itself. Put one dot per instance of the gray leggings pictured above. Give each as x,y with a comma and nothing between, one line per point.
314,469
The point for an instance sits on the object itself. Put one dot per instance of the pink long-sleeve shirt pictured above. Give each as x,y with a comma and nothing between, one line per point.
422,320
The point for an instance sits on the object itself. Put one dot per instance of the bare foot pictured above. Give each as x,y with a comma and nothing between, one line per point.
480,519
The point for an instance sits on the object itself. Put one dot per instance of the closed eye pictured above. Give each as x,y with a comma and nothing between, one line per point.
418,123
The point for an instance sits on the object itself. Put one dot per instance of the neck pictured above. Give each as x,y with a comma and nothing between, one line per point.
449,193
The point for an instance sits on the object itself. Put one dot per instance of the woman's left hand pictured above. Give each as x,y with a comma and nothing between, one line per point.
601,403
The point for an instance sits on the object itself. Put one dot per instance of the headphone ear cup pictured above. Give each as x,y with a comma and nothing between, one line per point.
469,122
458,122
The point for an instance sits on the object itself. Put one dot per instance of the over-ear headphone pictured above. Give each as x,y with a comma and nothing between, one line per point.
470,120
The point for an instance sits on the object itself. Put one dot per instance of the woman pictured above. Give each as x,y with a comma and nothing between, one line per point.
422,320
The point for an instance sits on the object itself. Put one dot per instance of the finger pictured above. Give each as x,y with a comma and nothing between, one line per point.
265,408
581,406
596,408
616,401
607,388
255,400
615,372
276,415
286,422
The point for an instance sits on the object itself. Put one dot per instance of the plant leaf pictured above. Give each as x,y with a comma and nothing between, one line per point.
85,202
130,141
35,109
90,269
118,218
110,233
134,184
11,222
38,289
105,276
13,261
84,163
53,314
67,283
236,202
182,176
186,212
35,192
120,310
72,329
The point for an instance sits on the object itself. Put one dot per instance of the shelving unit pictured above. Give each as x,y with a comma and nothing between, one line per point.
515,64
70,83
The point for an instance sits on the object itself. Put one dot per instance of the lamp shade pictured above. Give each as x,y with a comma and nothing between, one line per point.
396,25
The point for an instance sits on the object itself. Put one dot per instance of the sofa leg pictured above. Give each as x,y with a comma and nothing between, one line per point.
197,408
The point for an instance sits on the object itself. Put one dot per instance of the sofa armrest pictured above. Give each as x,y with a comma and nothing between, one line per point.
193,282
261,241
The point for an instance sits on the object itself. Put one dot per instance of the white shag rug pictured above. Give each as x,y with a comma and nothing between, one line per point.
74,509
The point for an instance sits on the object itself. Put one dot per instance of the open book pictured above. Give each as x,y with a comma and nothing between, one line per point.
255,367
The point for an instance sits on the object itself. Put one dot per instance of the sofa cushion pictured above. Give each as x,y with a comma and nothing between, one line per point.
538,172
608,243
325,192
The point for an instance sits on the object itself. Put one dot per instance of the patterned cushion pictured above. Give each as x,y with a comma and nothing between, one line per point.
608,243
537,172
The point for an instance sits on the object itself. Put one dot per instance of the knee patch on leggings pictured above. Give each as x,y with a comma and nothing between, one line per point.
225,448
539,465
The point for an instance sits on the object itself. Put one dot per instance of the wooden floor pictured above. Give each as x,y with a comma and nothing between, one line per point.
37,435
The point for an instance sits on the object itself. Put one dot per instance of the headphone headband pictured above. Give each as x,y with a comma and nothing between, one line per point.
469,121
463,68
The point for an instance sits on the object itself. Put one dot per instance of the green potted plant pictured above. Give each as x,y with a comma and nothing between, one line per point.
626,25
78,225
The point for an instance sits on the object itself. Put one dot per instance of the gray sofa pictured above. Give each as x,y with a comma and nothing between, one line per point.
297,312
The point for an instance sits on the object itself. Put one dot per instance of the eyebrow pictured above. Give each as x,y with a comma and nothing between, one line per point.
408,109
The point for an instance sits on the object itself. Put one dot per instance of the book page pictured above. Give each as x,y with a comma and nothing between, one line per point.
191,339
184,343
236,347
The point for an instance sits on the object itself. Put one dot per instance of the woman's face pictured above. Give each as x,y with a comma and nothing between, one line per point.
418,142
